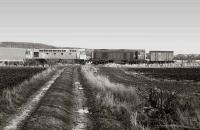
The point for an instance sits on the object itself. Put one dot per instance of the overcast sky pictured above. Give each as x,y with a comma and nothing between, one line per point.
146,24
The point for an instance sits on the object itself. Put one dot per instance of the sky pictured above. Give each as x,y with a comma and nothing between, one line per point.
121,24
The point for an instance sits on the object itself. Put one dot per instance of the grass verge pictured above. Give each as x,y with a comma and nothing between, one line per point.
113,106
12,99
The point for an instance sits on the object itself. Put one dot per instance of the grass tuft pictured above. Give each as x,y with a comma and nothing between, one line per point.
114,104
12,98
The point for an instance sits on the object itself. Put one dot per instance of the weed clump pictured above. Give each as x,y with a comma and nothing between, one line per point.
114,104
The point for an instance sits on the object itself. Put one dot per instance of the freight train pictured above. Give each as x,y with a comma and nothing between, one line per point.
161,56
101,56
73,55
122,56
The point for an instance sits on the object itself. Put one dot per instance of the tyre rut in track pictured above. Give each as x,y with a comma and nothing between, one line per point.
81,120
55,109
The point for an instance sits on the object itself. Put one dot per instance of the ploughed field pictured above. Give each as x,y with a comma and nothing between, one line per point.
12,76
178,74
179,80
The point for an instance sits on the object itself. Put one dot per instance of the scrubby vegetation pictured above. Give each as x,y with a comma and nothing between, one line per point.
115,104
12,98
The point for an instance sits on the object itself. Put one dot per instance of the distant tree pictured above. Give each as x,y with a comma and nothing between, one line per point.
6,62
180,57
198,57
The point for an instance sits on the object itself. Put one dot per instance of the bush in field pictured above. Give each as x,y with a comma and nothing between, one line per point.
188,110
115,104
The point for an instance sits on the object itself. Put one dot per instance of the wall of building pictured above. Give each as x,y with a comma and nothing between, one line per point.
12,54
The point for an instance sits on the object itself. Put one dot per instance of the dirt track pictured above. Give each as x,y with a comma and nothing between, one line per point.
81,120
27,108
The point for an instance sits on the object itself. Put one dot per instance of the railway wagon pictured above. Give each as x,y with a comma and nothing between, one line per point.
161,56
118,56
63,55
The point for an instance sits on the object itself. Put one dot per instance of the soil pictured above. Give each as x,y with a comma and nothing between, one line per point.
144,82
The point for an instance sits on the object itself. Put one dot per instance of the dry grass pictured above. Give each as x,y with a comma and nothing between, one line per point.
113,99
155,65
116,103
188,111
12,99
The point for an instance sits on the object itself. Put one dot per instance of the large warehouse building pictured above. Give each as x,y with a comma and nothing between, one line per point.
12,54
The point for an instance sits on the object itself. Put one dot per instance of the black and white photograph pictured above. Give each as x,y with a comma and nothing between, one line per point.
99,64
